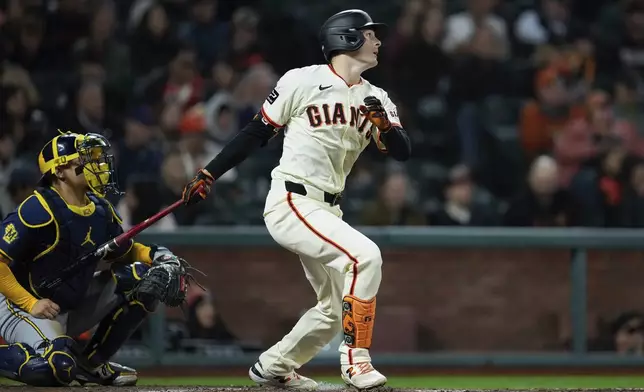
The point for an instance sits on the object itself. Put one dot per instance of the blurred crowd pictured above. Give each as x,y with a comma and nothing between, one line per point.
521,112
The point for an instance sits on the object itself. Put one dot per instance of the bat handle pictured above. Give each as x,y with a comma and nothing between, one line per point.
104,249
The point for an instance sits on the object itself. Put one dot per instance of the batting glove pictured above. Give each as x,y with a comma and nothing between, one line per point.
192,193
376,113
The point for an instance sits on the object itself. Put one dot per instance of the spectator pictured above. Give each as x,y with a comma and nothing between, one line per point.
222,79
141,201
139,151
597,134
252,90
548,115
406,27
65,26
542,202
29,49
459,208
632,207
599,188
14,75
551,23
14,112
88,113
244,50
152,43
421,55
208,34
111,54
196,144
175,88
628,104
621,48
477,41
221,119
174,178
393,207
204,322
21,183
624,335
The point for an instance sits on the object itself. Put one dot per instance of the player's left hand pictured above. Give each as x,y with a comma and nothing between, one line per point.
376,113
191,192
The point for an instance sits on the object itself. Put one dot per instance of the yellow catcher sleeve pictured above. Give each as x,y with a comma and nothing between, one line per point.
10,288
140,252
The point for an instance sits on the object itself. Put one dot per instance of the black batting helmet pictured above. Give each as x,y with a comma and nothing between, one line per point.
342,32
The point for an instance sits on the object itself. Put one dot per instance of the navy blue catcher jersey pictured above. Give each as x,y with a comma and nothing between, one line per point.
45,234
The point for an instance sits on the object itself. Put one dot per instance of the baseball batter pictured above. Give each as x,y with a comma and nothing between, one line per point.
329,114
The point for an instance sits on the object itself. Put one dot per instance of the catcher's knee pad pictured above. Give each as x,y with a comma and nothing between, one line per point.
357,321
127,276
60,357
56,367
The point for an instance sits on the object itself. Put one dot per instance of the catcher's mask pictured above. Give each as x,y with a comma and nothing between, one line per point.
94,162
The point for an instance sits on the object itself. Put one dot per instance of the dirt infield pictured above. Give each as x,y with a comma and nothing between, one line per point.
327,388
323,387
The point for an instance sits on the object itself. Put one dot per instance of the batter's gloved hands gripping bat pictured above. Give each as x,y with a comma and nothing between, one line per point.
376,113
198,189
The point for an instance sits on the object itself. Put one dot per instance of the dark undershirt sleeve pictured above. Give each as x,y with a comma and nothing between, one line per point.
397,143
253,136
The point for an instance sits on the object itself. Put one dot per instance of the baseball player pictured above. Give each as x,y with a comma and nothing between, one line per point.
329,114
65,218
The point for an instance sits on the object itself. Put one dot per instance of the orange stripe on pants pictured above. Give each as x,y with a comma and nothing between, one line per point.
289,198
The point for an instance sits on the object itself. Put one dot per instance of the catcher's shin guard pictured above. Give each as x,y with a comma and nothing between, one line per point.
114,330
56,367
121,323
357,321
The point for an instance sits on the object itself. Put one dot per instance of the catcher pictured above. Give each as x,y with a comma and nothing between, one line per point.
66,217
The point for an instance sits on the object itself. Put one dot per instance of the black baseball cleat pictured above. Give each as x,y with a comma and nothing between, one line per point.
108,374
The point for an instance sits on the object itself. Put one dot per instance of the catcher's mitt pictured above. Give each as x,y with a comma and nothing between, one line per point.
167,281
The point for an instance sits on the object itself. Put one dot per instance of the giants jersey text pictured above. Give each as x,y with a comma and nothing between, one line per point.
325,131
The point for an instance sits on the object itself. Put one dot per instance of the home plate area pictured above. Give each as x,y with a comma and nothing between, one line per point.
329,387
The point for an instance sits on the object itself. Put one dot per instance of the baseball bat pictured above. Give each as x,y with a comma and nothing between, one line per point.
109,246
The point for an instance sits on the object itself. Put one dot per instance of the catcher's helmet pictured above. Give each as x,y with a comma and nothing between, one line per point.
93,160
342,32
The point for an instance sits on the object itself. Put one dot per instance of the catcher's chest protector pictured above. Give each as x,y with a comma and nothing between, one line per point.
72,235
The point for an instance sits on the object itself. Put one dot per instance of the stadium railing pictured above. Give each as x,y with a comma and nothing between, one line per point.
578,241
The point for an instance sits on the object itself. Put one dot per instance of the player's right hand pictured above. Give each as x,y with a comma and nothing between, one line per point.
191,192
45,309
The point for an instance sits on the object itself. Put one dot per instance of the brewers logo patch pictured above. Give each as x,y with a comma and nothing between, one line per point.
10,233
272,96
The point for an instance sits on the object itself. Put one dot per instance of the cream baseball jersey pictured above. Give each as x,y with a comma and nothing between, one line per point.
325,131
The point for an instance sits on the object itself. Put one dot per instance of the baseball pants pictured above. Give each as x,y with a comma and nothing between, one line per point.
18,326
337,259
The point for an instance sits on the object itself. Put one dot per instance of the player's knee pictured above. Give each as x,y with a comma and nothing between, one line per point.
371,257
56,367
60,358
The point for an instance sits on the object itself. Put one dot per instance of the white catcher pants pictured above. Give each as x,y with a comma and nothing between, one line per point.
338,260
